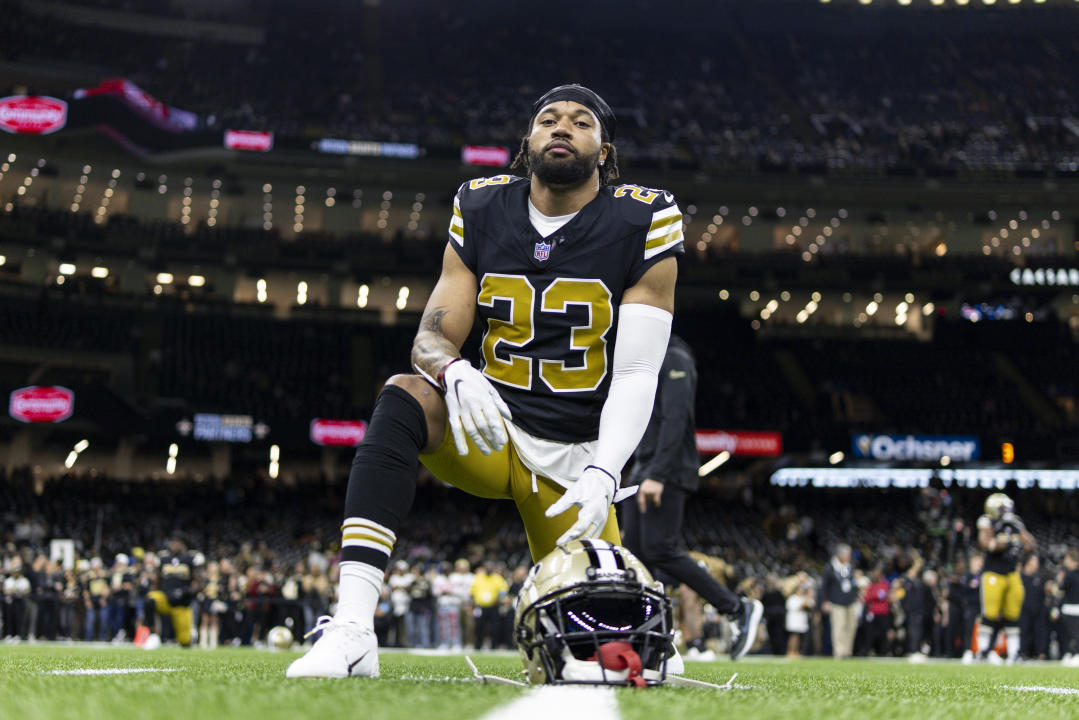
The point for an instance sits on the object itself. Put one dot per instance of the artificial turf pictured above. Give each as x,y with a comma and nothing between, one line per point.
241,684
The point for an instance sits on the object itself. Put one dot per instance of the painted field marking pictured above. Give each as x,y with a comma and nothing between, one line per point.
110,671
545,702
1044,689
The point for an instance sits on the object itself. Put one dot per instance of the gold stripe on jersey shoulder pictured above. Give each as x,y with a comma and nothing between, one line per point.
668,239
664,222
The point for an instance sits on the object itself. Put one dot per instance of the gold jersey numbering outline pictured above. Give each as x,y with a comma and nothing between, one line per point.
517,330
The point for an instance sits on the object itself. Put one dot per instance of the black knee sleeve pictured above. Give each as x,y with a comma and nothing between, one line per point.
382,483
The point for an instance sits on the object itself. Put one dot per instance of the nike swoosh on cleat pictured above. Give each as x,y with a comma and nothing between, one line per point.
354,664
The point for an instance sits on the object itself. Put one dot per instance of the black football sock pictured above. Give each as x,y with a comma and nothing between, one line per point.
382,483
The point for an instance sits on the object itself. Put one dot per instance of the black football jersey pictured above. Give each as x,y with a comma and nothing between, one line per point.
1008,531
549,305
177,577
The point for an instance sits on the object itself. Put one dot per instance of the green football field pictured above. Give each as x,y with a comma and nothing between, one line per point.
53,681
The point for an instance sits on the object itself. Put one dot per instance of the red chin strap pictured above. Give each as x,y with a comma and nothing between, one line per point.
621,656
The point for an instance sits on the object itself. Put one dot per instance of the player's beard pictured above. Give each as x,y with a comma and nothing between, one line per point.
571,170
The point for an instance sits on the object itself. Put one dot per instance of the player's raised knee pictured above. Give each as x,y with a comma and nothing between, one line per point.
415,386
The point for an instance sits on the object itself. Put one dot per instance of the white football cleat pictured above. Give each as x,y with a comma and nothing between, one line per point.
675,665
345,650
993,658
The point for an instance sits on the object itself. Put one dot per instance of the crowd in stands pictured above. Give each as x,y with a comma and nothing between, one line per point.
234,358
271,549
739,90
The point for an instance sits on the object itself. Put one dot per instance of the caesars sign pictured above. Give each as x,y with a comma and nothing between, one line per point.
249,140
339,433
32,115
42,404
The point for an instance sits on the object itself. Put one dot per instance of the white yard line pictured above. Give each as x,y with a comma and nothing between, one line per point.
553,701
1044,689
110,671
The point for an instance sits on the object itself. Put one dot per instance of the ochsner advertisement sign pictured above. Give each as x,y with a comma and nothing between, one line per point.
958,448
42,404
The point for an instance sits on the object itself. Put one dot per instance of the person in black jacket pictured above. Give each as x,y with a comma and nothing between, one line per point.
665,468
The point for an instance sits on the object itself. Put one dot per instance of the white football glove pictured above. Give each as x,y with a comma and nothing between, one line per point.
592,495
475,409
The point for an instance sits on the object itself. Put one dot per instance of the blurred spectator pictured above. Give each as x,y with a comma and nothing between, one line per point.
839,599
799,605
487,587
1034,616
878,609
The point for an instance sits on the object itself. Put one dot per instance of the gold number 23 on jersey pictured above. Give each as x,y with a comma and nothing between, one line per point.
518,329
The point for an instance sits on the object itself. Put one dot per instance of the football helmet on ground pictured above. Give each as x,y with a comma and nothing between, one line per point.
590,613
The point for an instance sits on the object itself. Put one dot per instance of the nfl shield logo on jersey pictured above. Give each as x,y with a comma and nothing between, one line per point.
543,250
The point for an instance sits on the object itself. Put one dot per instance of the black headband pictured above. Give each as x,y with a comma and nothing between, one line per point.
580,94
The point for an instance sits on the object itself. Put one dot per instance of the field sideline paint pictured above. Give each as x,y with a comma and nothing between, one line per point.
543,703
111,671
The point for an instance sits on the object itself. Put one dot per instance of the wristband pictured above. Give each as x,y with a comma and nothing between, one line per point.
612,477
441,377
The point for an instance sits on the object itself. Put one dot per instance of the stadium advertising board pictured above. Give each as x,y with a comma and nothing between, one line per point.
338,433
41,404
1051,277
739,442
958,448
212,427
158,112
485,155
32,114
250,140
984,478
367,148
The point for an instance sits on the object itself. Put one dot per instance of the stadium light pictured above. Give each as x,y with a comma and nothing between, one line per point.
904,2
402,297
71,458
99,272
260,290
164,278
3,259
67,268
836,457
361,296
275,457
170,464
196,281
723,294
81,445
871,308
945,461
301,292
714,463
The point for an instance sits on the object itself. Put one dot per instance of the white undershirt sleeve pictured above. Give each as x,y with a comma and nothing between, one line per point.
643,332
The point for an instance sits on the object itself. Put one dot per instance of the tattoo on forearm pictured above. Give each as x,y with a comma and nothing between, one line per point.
431,349
432,319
